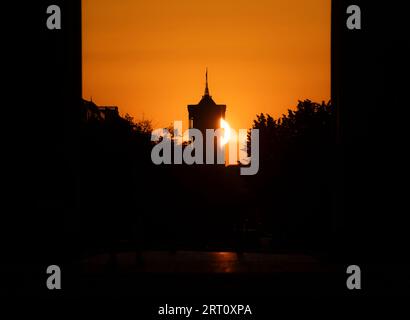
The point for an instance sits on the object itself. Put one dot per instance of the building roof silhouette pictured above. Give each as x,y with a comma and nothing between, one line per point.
206,100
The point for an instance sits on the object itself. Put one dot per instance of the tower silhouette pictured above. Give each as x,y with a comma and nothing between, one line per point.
206,114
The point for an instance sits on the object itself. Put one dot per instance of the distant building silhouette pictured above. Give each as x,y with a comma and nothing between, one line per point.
92,112
206,114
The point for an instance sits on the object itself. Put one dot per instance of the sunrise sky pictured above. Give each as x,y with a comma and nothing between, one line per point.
149,57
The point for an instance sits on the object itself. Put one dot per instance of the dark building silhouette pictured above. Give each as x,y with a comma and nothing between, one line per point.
367,87
43,79
206,114
92,112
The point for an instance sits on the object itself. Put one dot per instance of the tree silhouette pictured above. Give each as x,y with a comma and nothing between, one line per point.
297,157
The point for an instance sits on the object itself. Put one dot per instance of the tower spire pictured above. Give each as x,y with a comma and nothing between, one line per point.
206,83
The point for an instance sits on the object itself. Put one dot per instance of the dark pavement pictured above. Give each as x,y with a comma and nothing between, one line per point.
190,273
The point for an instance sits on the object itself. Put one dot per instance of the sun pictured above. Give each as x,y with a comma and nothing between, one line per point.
227,132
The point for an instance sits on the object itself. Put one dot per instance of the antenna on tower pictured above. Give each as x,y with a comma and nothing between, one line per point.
206,82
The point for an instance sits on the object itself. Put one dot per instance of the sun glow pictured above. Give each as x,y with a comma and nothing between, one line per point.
227,132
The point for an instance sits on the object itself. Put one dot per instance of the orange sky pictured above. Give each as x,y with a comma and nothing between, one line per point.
148,57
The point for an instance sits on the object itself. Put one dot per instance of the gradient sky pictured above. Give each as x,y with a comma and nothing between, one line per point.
149,57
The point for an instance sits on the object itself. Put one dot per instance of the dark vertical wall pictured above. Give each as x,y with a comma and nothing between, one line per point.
41,100
368,89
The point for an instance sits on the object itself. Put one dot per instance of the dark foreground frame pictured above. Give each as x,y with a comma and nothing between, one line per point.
43,83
